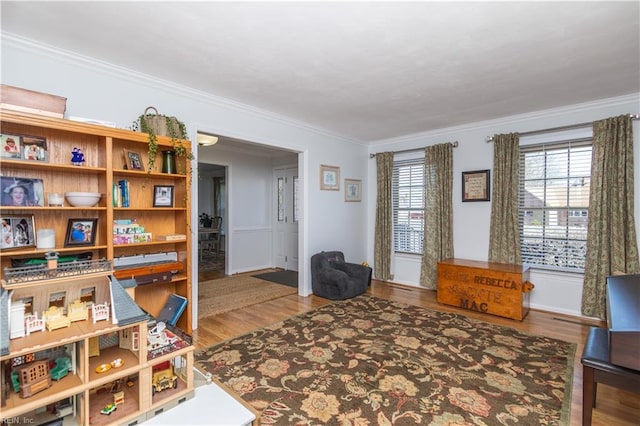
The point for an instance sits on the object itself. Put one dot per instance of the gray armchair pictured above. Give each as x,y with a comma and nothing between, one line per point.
335,279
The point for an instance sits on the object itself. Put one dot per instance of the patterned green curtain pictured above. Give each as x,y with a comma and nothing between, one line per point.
383,246
438,212
504,234
611,237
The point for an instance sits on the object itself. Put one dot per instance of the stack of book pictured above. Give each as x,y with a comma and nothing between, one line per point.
121,193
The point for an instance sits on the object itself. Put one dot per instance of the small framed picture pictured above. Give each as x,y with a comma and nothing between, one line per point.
81,232
329,178
10,146
18,231
475,185
352,190
34,148
133,160
163,196
19,192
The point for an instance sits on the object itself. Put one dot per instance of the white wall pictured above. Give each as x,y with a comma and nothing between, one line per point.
205,191
249,224
103,91
555,291
250,184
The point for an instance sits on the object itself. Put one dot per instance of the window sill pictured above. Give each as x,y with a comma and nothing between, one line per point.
551,271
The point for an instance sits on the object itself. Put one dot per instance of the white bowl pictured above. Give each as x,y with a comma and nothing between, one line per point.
83,199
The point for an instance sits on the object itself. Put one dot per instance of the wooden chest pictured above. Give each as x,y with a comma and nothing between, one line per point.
494,288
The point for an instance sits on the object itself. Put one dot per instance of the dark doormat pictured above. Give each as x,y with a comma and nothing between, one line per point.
288,278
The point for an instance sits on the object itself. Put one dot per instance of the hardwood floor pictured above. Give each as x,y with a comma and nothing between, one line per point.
614,407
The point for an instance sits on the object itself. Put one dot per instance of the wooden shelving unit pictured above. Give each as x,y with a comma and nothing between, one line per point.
103,148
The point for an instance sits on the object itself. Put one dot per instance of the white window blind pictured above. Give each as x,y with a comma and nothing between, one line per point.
553,203
408,205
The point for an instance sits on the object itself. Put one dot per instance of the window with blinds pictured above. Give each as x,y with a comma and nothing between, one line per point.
408,205
553,203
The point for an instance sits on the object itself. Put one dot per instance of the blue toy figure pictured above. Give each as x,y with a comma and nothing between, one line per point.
77,157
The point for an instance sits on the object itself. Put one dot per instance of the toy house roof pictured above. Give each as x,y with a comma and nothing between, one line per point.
125,309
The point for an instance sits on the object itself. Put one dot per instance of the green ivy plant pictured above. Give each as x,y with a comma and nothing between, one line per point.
176,130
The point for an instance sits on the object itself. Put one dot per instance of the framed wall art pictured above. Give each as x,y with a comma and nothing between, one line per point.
352,190
19,192
163,196
329,178
133,160
18,231
476,185
81,232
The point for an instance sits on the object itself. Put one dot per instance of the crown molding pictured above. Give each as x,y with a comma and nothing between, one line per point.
107,68
517,120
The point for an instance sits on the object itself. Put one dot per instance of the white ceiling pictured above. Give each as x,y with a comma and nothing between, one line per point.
363,70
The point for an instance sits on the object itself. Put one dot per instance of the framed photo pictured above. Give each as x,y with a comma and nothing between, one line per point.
475,185
133,160
329,178
18,191
81,232
18,231
352,190
34,148
10,146
163,196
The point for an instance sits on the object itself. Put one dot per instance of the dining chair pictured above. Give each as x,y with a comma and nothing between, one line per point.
212,241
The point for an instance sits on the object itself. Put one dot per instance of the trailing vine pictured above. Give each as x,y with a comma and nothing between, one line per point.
175,129
177,136
152,148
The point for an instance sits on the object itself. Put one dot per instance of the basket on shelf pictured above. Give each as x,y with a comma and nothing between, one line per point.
161,125
155,124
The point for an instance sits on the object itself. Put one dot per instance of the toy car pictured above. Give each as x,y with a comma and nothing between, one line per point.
163,379
108,409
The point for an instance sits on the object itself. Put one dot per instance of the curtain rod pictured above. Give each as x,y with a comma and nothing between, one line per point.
555,129
454,143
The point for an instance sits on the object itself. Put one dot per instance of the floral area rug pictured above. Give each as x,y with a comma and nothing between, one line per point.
369,361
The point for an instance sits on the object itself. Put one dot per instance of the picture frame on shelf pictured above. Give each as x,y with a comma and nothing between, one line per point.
11,146
21,192
18,231
329,178
81,232
133,160
476,185
352,190
34,148
163,195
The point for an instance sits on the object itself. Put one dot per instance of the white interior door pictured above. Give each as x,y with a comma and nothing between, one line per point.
286,226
